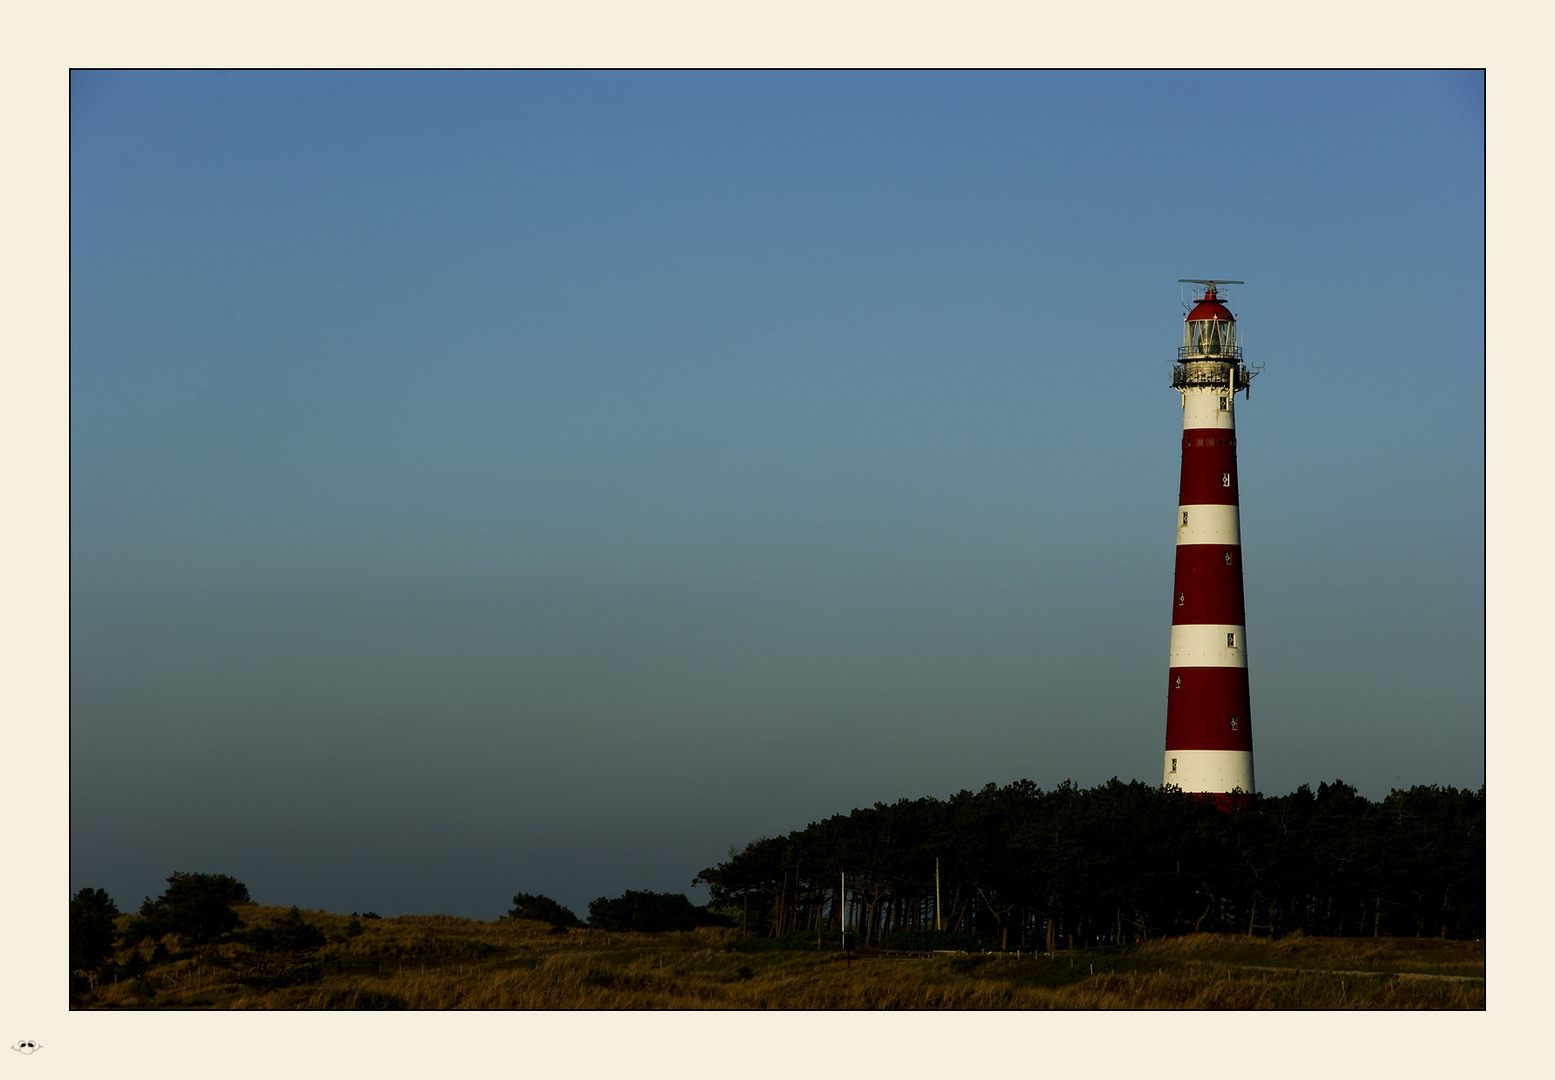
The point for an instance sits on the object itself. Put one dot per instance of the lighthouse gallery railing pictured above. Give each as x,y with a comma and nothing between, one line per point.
1210,374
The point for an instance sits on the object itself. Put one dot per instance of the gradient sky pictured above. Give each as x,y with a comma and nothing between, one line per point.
497,482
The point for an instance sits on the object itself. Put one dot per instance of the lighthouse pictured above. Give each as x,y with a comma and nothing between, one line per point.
1209,731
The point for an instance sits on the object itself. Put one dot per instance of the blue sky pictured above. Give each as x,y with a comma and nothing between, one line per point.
497,482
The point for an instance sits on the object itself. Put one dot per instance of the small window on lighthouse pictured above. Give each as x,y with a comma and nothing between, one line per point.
1185,517
1233,723
1222,403
1228,558
1231,640
1181,599
1174,764
1177,682
1225,479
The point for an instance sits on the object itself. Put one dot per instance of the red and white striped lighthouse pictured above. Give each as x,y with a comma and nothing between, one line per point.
1209,732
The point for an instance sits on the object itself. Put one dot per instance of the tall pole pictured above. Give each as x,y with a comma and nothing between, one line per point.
843,896
937,925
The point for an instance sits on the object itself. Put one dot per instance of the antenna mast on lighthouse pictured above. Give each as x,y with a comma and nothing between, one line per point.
1209,736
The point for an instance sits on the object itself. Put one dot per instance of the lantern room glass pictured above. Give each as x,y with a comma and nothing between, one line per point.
1209,337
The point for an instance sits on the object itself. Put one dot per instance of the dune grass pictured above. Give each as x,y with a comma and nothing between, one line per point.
440,962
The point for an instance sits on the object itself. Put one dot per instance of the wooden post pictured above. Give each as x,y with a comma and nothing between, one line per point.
843,898
937,921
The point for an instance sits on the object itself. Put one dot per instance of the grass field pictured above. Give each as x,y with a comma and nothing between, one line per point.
440,962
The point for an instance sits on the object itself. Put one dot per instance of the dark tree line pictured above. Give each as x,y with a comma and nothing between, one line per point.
1020,867
634,910
650,912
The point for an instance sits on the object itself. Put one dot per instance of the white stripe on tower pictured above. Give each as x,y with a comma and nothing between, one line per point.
1209,523
1201,408
1209,645
1209,770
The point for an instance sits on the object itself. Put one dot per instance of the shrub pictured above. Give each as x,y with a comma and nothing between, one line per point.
542,909
652,913
135,965
291,933
196,907
277,954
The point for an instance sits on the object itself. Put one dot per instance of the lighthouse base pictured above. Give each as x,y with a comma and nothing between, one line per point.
1211,771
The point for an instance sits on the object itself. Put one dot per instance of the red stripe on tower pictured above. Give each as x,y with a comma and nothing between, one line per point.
1209,731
